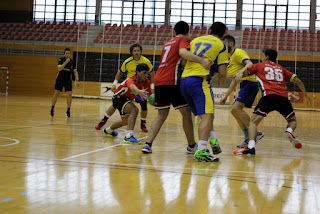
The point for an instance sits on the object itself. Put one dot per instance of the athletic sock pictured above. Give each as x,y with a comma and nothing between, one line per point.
212,136
149,144
251,144
52,108
192,146
202,144
129,133
106,117
109,130
289,130
143,120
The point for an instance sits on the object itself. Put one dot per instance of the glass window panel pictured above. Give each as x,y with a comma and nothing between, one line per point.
231,21
91,10
176,12
219,19
91,2
91,17
246,22
281,16
81,2
60,2
174,19
258,15
186,19
219,6
293,9
303,23
294,2
116,17
271,2
304,16
231,14
52,2
258,22
106,4
304,9
281,23
39,15
147,4
270,8
197,6
70,15
80,16
261,1
41,2
248,1
127,18
232,7
116,4
159,19
270,22
293,15
284,2
105,10
159,12
70,9
39,8
305,2
148,19
137,11
49,15
105,17
247,15
81,9
148,12
160,5
187,5
259,7
208,20
217,13
60,8
137,18
60,16
293,23
248,7
281,9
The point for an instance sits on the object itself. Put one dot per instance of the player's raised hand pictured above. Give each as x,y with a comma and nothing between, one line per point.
67,60
113,88
206,63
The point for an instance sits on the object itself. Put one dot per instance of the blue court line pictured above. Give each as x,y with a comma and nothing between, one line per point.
7,200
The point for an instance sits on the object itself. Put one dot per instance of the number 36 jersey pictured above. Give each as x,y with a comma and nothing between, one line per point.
207,46
271,78
168,71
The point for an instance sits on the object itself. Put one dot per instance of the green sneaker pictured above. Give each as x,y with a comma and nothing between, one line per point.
204,156
215,146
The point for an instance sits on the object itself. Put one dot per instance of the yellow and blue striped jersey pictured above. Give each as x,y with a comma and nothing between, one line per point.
129,66
207,46
236,63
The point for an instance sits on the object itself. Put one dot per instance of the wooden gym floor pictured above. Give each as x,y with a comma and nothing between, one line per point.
64,165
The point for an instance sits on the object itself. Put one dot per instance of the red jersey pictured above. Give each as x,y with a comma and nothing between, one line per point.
124,91
167,73
271,78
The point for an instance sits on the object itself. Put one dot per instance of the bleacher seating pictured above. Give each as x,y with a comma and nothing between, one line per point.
43,31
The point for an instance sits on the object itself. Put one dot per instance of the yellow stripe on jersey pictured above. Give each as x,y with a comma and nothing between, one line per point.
130,65
209,105
236,63
207,46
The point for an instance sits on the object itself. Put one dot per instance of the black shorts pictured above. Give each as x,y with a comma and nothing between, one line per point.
273,102
166,95
63,83
120,103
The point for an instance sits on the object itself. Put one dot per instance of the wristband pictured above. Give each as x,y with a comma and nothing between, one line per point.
115,82
152,85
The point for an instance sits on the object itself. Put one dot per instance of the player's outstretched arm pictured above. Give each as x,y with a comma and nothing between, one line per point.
300,84
239,75
231,88
116,80
205,62
137,91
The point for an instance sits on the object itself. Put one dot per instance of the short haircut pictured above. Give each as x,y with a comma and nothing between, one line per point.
229,38
218,28
142,67
67,49
135,45
271,53
181,27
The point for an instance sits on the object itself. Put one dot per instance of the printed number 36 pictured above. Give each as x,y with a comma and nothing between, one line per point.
274,74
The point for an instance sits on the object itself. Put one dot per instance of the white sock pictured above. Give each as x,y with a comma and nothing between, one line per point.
106,115
289,130
251,144
212,136
109,130
202,144
143,118
129,133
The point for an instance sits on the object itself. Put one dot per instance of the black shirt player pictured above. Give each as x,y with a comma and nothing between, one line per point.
64,80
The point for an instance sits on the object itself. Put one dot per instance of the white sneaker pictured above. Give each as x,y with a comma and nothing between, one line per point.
192,150
293,140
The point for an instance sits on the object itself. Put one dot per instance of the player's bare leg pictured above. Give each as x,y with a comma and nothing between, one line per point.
54,101
187,124
133,111
157,124
241,116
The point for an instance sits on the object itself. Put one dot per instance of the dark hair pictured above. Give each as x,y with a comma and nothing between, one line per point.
67,49
142,67
181,27
229,38
218,28
135,45
271,53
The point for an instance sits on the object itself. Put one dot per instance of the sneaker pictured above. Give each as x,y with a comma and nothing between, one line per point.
192,150
245,151
68,113
113,133
243,144
215,146
52,112
204,156
260,135
100,125
131,140
146,149
293,140
143,127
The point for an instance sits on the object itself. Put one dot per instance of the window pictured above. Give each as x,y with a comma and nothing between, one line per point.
65,10
134,11
204,12
276,14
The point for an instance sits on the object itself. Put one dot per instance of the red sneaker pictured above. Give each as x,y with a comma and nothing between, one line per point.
239,151
100,125
143,127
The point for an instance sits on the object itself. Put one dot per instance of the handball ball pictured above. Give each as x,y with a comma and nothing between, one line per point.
151,99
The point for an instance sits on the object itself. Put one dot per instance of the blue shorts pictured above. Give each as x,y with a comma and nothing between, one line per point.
198,94
247,93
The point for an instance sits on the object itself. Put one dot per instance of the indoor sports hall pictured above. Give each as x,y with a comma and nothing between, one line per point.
63,164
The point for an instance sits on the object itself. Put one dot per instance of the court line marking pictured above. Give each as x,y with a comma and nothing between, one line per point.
97,150
10,144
